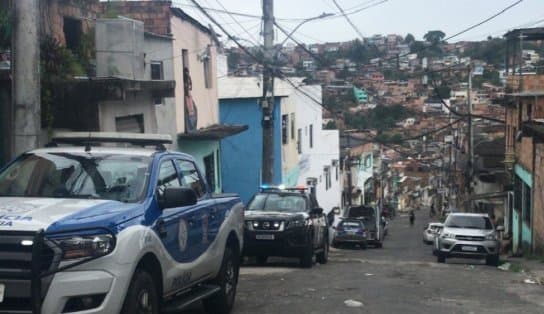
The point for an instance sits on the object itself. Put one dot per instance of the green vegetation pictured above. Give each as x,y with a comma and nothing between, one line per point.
6,27
331,125
381,118
361,53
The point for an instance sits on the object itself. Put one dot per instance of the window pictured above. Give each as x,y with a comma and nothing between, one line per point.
168,177
529,112
311,136
130,124
328,183
186,78
284,129
156,70
527,204
191,178
158,100
209,169
292,126
517,193
72,33
299,141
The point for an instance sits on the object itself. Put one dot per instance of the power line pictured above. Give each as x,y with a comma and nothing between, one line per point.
229,36
239,24
459,33
348,19
484,21
290,19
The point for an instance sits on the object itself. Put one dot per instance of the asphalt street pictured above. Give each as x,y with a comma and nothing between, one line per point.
402,277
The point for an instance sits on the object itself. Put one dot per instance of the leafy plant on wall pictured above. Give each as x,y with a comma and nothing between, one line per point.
6,27
58,64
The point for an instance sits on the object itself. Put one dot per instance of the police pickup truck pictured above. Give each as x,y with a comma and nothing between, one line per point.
95,228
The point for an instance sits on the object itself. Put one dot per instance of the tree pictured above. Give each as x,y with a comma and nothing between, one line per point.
434,37
409,39
331,125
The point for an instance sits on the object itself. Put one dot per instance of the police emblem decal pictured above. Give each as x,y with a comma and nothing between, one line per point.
182,235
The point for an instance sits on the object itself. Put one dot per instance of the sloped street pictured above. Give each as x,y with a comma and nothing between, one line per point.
403,277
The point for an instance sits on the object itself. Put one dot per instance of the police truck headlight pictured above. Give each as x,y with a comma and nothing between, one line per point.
491,237
446,235
86,246
295,223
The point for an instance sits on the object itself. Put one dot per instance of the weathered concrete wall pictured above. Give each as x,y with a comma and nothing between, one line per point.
135,104
538,200
120,48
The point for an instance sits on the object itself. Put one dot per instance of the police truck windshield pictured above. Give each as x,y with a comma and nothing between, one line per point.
278,202
72,175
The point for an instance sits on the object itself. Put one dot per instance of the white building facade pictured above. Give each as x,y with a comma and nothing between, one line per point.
317,164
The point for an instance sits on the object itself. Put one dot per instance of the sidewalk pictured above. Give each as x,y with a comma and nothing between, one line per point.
533,268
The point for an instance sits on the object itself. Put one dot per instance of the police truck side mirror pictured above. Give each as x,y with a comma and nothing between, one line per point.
178,197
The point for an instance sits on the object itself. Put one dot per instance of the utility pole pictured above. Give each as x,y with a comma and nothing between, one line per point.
267,102
26,76
350,177
470,135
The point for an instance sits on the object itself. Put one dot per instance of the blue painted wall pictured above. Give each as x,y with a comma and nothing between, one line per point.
241,157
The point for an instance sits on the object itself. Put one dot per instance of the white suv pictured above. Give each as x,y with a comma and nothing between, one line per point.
469,236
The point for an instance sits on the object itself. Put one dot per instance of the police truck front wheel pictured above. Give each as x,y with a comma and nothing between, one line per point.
142,296
227,279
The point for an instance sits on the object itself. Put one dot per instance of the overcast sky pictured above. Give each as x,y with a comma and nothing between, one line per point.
391,17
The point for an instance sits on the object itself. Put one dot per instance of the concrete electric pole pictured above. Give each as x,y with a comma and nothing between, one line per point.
470,137
26,76
267,102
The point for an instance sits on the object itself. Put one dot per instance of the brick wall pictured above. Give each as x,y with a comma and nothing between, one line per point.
529,82
538,201
54,12
524,153
154,14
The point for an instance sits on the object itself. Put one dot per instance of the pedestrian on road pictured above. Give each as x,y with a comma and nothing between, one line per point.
412,217
432,212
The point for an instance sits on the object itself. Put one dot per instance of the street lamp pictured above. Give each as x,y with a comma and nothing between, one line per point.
321,16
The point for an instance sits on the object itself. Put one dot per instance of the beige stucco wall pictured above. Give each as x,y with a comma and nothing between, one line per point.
186,36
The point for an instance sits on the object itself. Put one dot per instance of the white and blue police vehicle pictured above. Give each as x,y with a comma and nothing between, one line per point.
87,227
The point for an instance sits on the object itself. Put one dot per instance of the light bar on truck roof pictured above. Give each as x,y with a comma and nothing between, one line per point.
268,187
111,137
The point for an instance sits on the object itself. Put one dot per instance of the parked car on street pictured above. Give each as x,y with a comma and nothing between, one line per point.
97,229
431,231
350,231
288,223
469,236
372,220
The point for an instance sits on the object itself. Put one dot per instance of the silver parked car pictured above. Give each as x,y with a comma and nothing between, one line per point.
469,236
431,231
